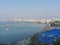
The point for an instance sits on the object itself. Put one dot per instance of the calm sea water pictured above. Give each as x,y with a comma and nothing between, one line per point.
16,31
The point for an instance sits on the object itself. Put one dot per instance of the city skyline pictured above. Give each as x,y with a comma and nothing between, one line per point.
30,9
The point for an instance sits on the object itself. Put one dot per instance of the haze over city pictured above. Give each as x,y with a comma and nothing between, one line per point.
30,9
29,22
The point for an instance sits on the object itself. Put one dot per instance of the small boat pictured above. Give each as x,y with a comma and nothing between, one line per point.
7,29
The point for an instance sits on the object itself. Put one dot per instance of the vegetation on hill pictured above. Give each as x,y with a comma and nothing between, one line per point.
55,24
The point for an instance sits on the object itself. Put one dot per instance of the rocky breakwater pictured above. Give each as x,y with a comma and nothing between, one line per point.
48,37
26,41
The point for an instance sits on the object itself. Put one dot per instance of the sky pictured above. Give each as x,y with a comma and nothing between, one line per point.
29,9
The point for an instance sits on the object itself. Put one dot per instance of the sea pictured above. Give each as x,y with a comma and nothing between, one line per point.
16,31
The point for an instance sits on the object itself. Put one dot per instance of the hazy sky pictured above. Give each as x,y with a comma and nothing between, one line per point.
35,9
